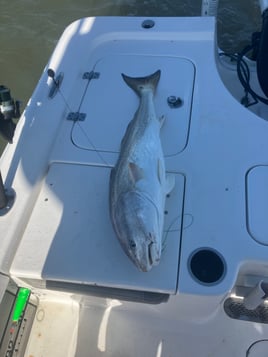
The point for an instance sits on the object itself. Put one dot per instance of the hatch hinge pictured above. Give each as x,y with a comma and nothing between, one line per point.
91,75
76,116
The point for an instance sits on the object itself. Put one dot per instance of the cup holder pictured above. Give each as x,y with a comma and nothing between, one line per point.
207,266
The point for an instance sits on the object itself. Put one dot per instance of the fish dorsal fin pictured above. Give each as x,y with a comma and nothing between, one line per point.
170,183
135,172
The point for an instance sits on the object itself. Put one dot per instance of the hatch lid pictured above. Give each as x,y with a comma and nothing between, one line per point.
257,203
69,237
109,104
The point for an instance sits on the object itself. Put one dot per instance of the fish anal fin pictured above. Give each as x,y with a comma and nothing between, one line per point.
135,172
170,183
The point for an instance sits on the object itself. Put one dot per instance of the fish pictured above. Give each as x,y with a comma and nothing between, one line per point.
138,183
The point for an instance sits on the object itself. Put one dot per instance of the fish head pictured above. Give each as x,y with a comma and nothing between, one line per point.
138,230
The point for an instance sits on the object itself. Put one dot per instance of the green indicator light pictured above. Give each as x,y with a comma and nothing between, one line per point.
21,301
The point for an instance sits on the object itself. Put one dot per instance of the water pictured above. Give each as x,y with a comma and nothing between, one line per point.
29,30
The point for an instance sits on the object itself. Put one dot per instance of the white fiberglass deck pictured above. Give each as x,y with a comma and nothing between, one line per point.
79,245
97,328
58,236
207,143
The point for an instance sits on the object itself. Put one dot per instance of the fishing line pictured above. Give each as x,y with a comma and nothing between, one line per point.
51,74
89,141
84,131
181,227
65,101
169,230
56,88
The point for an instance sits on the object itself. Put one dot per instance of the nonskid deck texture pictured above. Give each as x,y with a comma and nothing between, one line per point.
93,301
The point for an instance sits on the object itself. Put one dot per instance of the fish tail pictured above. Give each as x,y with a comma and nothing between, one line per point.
139,84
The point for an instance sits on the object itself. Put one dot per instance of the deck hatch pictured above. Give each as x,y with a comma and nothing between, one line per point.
257,204
110,104
69,237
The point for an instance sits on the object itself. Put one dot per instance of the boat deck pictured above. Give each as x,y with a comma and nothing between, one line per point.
59,239
112,328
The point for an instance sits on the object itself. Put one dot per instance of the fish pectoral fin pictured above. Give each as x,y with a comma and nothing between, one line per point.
170,183
160,172
135,172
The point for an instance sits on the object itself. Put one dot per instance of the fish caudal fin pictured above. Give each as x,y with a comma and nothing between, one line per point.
139,84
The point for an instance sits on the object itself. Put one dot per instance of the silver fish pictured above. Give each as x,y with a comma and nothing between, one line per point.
138,184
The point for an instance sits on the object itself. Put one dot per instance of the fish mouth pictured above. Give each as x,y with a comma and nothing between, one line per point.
153,255
152,258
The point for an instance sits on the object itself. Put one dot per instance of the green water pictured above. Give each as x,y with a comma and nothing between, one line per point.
29,30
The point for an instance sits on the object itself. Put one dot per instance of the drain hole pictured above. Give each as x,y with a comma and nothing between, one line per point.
207,266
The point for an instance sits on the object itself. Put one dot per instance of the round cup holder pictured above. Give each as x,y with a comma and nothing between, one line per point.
207,266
